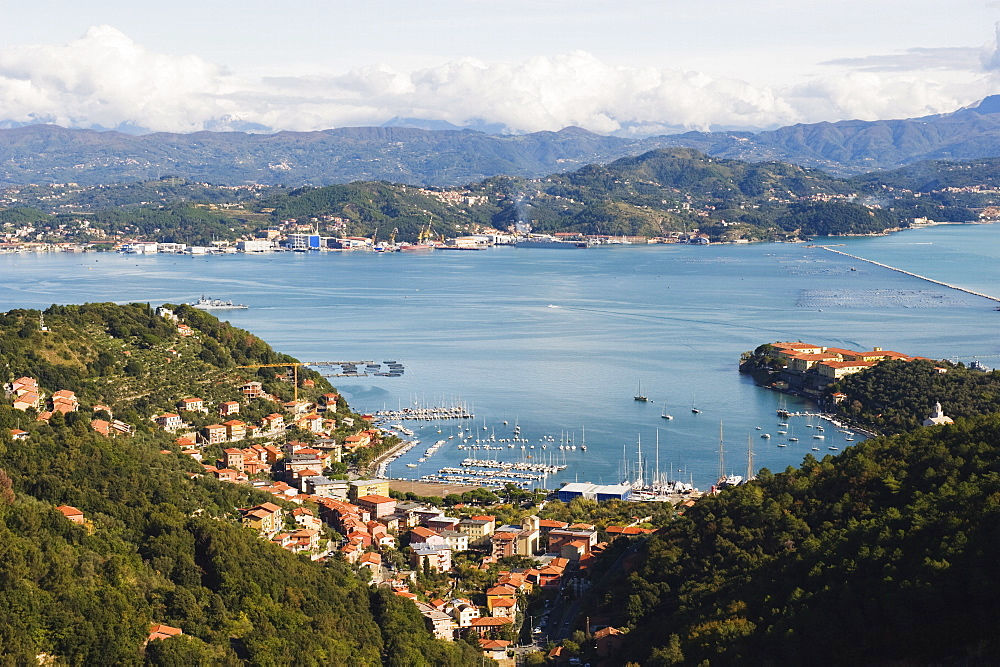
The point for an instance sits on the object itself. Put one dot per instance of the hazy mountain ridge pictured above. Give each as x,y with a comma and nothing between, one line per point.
855,146
403,154
51,154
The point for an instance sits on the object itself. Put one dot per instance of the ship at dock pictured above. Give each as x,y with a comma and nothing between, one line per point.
541,241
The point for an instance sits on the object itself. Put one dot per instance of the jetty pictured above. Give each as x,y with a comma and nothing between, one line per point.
911,274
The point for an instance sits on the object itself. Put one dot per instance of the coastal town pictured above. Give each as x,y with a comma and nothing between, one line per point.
477,563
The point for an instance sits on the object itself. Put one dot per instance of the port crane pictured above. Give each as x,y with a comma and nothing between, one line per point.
425,234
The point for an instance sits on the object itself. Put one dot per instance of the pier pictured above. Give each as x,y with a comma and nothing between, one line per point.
914,275
350,369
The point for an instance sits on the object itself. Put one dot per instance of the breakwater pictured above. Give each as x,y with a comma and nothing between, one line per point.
910,273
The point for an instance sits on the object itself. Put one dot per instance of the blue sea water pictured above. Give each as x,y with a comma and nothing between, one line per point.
557,341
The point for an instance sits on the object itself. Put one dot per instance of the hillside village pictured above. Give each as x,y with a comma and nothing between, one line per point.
396,542
468,572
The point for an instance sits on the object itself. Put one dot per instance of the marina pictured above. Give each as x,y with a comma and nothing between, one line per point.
427,414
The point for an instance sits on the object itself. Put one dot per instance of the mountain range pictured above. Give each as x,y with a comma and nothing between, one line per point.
405,154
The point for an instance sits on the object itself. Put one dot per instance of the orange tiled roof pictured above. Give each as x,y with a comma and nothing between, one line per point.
490,622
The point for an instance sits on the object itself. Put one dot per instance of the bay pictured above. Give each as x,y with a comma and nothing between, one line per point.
557,341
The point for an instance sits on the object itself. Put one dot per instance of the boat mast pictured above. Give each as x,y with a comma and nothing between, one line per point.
659,480
639,456
750,473
625,462
722,454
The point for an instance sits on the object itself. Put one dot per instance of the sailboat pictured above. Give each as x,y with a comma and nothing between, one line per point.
665,415
724,479
639,395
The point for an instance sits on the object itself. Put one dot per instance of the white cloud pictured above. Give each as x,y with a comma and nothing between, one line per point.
961,58
104,79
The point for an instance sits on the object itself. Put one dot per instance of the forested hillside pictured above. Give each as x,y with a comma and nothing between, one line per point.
896,396
657,193
663,191
161,542
885,554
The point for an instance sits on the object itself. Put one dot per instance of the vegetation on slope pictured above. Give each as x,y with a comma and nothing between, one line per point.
896,396
884,554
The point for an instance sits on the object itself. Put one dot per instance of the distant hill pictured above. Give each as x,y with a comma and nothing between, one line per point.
855,146
675,190
421,153
653,194
929,175
51,154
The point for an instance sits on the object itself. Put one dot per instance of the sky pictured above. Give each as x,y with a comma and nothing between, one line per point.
627,67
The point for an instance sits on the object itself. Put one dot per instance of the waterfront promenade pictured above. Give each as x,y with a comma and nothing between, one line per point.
909,273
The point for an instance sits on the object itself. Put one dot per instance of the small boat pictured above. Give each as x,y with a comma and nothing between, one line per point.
819,437
815,449
782,444
793,440
765,435
411,465
849,439
759,428
834,449
640,396
664,414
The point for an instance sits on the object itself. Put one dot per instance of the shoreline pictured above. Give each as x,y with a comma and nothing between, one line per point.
70,248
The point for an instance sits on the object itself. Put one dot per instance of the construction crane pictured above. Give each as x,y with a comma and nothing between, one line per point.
392,236
295,372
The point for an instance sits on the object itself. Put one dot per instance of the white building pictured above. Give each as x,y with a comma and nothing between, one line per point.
256,245
938,417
